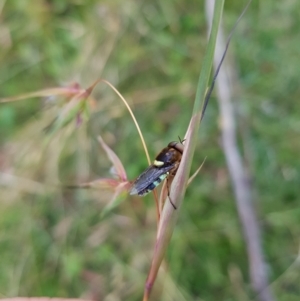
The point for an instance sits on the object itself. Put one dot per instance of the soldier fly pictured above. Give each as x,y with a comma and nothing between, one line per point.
166,163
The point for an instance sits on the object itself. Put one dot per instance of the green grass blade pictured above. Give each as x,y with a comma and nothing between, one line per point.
177,192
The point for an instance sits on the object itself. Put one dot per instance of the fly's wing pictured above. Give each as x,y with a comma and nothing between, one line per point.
147,177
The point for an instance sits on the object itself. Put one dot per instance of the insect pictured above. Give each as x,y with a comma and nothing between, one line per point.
166,163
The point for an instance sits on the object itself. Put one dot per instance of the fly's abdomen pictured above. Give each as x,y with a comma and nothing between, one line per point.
153,185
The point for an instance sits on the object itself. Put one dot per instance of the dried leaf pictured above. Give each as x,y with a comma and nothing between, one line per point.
114,159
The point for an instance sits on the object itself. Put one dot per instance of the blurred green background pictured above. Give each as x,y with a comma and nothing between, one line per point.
52,240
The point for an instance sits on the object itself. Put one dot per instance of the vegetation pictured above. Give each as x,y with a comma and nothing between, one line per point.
55,241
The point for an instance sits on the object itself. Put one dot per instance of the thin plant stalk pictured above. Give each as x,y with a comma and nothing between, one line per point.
140,134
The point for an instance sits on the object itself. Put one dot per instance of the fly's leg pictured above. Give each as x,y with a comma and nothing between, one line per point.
169,195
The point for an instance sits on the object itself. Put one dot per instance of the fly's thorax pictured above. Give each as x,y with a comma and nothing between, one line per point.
167,157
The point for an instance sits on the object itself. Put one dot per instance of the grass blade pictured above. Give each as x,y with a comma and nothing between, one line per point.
169,215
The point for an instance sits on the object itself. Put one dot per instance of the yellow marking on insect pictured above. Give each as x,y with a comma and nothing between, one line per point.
158,163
